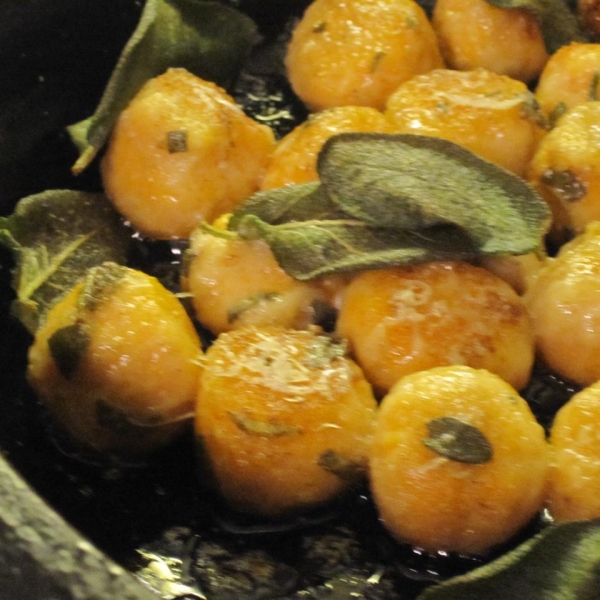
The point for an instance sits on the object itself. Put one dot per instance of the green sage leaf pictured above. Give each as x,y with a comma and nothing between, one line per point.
558,23
55,236
309,249
390,200
207,38
454,439
413,182
303,202
560,563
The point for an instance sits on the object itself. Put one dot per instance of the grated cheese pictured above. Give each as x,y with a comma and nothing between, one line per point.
276,363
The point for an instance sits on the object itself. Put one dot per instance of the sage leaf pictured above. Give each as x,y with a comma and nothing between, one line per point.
560,563
207,38
302,202
413,182
388,200
309,249
558,23
55,236
454,439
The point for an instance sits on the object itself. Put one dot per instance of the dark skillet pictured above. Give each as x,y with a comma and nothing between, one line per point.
55,59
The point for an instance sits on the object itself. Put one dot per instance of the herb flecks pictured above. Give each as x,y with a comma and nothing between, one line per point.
594,93
532,111
565,184
377,58
255,301
262,428
177,141
454,439
556,113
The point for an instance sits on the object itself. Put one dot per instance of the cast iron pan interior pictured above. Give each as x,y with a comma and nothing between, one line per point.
154,517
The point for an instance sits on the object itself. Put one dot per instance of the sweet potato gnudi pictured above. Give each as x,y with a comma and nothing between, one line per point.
117,362
492,115
565,170
570,77
406,319
283,421
235,283
475,33
574,479
458,461
357,53
564,303
295,157
181,153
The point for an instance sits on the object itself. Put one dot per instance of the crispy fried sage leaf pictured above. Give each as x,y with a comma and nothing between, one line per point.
454,439
387,200
557,21
561,563
55,237
410,182
207,38
303,202
308,249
